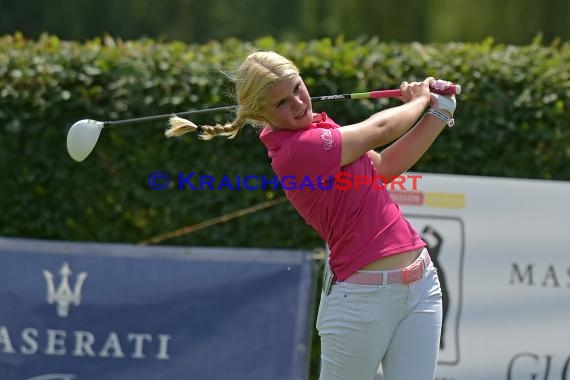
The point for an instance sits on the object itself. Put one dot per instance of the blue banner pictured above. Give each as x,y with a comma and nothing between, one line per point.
77,311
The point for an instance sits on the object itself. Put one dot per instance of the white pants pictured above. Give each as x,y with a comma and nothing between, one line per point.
397,325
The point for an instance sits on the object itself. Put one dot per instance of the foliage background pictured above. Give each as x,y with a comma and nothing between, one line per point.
198,21
512,121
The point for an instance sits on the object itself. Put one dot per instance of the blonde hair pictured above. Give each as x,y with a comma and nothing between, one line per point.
258,72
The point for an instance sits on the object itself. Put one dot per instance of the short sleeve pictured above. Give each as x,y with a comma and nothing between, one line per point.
314,152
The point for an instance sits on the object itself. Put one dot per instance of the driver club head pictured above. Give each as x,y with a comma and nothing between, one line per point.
82,137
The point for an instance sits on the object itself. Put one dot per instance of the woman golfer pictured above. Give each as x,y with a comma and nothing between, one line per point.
381,302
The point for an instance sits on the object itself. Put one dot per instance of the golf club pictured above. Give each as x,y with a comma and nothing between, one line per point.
83,134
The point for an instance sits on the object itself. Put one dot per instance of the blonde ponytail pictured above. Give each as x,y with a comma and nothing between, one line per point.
180,126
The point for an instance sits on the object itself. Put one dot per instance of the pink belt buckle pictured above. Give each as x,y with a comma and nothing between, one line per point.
412,273
407,275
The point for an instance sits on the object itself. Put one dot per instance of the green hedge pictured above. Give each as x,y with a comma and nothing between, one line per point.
512,120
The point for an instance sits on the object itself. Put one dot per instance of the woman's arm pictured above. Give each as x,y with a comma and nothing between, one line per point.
406,151
385,126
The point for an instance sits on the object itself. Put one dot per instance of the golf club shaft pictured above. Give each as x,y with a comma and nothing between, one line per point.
453,89
169,115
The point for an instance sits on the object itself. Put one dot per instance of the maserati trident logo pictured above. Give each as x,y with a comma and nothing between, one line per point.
64,296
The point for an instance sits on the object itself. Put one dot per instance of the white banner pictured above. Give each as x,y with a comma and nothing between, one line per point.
503,254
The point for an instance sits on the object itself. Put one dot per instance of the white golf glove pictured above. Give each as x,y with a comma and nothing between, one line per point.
440,103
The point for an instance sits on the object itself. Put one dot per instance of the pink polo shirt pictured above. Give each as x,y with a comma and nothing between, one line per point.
360,225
